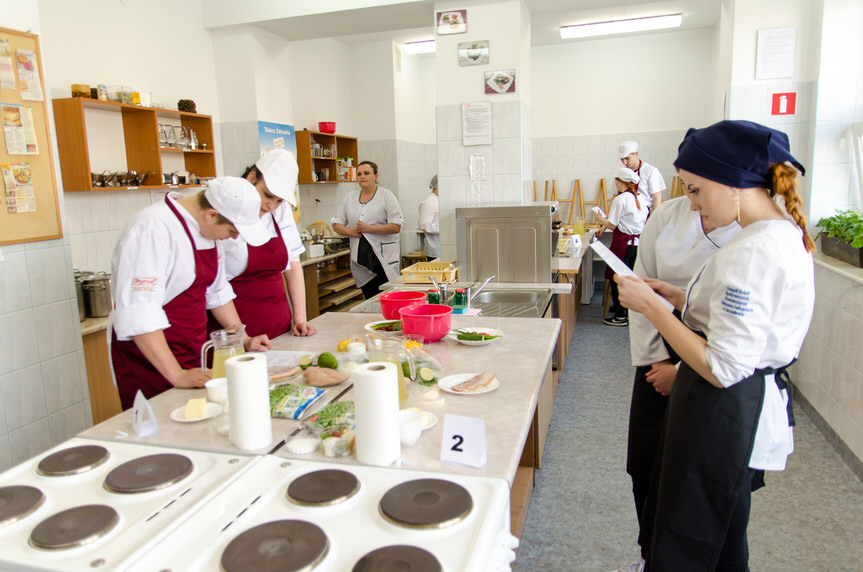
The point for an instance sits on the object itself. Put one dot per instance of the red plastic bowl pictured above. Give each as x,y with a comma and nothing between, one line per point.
432,321
327,126
392,302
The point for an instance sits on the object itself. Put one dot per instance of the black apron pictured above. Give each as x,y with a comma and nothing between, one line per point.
701,469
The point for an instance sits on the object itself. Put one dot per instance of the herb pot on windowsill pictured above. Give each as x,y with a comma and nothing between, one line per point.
842,236
841,250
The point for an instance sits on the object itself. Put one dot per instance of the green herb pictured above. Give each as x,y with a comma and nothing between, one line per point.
845,226
475,336
332,413
391,326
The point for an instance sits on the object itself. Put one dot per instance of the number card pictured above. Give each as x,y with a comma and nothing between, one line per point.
463,441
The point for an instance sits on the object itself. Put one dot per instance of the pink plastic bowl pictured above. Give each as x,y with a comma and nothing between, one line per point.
327,126
432,321
392,302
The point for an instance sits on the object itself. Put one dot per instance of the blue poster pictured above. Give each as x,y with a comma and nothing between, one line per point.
276,136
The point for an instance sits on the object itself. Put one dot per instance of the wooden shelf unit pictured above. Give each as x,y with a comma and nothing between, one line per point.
308,164
140,137
333,289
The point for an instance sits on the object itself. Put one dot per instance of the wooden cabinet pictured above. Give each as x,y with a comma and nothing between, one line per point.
140,137
330,288
329,143
104,397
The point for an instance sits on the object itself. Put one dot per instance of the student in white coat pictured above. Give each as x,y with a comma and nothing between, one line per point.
626,219
256,273
429,222
372,218
674,245
167,271
729,417
650,182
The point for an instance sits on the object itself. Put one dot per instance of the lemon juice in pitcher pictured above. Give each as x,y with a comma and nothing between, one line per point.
225,344
219,357
391,348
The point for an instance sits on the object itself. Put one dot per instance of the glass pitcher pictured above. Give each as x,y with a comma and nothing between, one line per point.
225,344
170,136
181,136
163,136
391,348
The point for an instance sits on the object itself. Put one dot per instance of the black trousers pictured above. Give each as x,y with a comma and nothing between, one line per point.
366,256
629,260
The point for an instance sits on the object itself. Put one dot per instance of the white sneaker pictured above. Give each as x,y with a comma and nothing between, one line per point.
637,566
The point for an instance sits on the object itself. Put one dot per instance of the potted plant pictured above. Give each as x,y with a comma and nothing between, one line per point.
842,236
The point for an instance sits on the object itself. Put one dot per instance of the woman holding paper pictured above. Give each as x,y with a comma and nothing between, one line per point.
745,314
626,219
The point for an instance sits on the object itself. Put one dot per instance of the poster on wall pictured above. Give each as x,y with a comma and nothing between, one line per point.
502,81
476,122
473,53
774,57
276,136
452,22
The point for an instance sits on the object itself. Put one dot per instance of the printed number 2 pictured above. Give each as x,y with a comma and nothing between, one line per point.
458,441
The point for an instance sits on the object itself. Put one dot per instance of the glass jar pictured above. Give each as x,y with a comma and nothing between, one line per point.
433,296
460,298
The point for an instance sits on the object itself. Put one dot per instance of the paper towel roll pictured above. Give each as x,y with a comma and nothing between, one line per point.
249,399
376,399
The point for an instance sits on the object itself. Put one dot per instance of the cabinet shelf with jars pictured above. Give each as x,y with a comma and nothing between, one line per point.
319,155
95,138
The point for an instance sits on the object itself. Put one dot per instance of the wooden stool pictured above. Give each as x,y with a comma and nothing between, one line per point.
676,187
413,258
601,198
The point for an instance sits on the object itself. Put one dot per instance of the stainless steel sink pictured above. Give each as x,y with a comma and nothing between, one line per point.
522,303
509,297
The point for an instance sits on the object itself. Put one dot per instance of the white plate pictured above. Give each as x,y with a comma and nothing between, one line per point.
429,418
446,383
454,337
368,327
179,414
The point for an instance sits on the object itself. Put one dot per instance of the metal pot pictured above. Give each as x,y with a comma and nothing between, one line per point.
97,295
79,292
334,244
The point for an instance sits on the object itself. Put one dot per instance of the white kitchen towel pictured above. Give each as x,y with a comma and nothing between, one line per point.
376,399
249,396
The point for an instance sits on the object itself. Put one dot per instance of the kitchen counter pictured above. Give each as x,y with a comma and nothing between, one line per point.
519,359
325,257
93,325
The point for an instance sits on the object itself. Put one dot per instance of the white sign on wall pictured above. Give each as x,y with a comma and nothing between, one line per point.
476,123
774,57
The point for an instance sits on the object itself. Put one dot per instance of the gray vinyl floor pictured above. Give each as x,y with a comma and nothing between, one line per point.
582,518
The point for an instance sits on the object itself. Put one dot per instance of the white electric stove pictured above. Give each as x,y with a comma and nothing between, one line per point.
101,502
287,514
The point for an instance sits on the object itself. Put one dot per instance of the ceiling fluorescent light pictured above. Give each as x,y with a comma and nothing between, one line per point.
621,26
424,47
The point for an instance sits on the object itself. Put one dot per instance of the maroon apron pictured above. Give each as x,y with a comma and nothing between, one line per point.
261,300
187,314
619,242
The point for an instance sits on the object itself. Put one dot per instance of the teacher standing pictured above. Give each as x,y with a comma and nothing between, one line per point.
372,218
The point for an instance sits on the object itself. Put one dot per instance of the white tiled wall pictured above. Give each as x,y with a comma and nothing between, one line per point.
829,372
44,397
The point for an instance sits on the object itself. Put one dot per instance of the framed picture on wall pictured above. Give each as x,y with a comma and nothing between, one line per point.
502,81
473,53
452,22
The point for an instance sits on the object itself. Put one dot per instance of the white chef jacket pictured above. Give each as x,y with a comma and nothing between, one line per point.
626,215
673,248
153,262
650,181
237,249
430,224
383,208
753,299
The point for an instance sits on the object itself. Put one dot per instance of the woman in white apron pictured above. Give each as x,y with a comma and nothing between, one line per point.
372,218
747,310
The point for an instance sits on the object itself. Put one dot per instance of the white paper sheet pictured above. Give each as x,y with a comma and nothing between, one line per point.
618,266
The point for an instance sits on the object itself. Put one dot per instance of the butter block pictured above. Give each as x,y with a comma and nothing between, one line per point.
196,408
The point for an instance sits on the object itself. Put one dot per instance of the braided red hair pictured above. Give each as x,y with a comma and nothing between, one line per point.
784,182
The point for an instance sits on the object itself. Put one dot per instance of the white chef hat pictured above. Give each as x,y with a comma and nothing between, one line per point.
280,171
627,148
627,175
237,200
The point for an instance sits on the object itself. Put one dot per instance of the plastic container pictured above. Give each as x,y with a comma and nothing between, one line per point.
392,302
420,272
327,126
429,320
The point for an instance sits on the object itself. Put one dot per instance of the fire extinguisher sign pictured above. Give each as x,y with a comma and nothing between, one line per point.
784,103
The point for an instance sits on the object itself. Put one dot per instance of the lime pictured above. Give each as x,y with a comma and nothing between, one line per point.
406,369
305,361
426,374
327,360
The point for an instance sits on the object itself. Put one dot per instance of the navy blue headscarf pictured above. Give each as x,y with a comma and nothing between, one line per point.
735,153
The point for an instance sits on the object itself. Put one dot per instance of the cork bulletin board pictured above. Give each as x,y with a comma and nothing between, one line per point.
29,211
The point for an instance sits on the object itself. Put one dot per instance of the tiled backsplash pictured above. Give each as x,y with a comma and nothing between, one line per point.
829,372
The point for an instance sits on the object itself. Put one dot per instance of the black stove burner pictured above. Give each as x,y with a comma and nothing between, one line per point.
401,558
282,545
73,461
148,473
323,488
73,527
426,503
16,502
